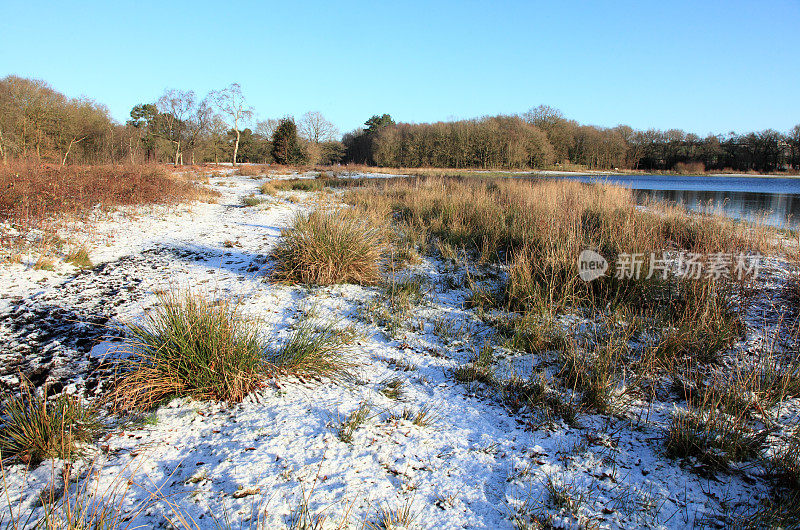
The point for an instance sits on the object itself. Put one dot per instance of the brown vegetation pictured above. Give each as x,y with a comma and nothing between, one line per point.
326,247
36,195
32,190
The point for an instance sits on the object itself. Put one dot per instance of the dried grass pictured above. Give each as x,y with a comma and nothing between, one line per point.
331,246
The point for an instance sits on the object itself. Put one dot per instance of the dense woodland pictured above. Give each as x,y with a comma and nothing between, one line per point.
39,123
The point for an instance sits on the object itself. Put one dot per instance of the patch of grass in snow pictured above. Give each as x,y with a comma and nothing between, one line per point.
780,510
594,370
394,518
714,438
448,329
44,263
190,346
391,307
471,373
700,321
331,246
392,388
407,245
79,257
403,294
314,350
253,200
480,367
746,387
77,501
534,333
36,427
422,417
784,465
537,395
401,364
352,422
562,496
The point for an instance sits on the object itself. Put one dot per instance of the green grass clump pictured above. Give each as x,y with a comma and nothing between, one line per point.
392,388
35,427
785,463
193,347
318,351
329,247
712,438
537,334
352,422
252,200
80,258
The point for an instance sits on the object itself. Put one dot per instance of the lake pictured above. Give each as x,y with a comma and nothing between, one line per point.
774,201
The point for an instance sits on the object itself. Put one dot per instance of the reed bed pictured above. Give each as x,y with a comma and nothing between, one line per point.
539,229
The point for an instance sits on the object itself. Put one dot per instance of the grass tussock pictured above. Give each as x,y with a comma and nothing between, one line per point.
329,247
394,518
712,438
36,427
392,388
193,347
315,351
79,257
253,200
352,422
189,346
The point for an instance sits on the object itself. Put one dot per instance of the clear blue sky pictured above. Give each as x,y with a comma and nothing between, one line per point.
701,66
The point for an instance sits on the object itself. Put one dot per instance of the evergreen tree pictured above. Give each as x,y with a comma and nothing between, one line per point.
286,147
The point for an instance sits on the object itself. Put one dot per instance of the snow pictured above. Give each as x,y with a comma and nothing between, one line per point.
476,466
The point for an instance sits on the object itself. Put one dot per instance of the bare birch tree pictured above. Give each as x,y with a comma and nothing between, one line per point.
232,104
175,107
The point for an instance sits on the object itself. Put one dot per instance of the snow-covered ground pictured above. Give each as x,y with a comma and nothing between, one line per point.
277,457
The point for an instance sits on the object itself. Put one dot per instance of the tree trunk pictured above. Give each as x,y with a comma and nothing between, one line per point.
66,154
2,149
236,148
177,151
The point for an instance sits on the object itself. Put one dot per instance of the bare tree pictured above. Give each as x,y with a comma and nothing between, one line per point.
175,107
315,128
199,123
267,127
231,103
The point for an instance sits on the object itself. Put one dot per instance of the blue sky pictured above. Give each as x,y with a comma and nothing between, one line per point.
703,66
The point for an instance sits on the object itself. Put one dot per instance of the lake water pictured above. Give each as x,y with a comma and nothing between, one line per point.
774,201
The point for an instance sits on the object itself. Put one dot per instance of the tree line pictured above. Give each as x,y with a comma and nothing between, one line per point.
38,122
543,137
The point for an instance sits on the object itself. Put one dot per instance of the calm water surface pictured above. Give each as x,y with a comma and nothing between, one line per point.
774,201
